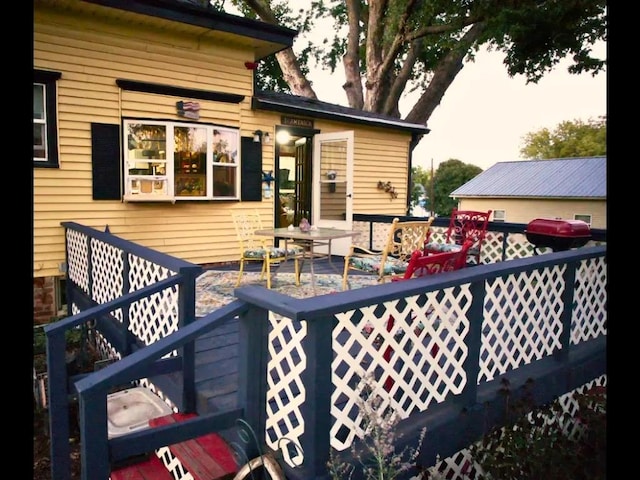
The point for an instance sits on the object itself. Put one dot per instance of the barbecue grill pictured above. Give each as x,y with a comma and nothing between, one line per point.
557,234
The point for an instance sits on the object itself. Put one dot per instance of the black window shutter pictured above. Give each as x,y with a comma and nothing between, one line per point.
105,161
251,170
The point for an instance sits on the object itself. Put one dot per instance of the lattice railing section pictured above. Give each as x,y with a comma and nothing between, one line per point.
78,259
522,320
286,393
589,319
106,274
379,235
155,316
461,466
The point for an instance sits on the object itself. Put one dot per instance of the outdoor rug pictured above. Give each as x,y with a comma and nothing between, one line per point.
214,288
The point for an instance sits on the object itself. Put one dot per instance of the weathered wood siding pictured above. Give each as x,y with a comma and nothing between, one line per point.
92,54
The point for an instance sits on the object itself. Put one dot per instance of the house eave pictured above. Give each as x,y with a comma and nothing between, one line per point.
281,107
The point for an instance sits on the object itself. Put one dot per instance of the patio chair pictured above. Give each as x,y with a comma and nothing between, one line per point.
403,239
258,249
421,264
463,224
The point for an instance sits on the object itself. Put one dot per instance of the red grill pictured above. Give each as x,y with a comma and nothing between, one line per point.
557,235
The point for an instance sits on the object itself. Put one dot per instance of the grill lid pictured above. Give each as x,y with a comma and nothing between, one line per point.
559,228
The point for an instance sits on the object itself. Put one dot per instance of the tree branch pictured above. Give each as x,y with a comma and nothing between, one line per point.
443,76
287,60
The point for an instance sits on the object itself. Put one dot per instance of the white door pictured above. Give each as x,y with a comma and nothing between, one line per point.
332,185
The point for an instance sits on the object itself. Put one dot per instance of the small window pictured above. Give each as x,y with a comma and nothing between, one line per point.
45,119
585,218
499,216
169,161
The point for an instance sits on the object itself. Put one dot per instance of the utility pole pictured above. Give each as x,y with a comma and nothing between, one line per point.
431,194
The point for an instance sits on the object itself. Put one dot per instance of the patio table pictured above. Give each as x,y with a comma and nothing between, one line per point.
310,240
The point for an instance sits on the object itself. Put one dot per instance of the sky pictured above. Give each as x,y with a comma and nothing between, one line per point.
485,114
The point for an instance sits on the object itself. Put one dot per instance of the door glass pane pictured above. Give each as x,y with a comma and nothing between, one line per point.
333,180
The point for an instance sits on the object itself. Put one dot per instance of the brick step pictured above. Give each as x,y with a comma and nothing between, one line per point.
206,458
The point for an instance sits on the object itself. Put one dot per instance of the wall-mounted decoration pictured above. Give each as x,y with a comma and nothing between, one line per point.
188,109
387,187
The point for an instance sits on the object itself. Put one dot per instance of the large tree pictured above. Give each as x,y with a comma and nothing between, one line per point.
392,47
449,176
569,139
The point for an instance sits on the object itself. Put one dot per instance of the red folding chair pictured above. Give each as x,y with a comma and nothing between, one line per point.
463,225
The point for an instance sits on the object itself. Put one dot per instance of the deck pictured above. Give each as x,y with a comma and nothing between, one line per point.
217,352
304,355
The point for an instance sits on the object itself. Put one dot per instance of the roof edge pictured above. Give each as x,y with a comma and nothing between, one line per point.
191,14
279,106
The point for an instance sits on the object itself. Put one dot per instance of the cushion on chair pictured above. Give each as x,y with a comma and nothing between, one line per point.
372,264
442,247
273,252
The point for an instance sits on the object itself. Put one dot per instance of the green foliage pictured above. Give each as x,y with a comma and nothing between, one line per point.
548,442
376,451
568,139
448,176
421,181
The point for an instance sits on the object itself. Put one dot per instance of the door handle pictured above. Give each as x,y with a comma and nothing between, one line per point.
348,195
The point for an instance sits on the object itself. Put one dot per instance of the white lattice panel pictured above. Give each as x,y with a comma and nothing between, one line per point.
389,341
285,391
589,318
518,247
521,320
461,466
155,316
78,259
107,267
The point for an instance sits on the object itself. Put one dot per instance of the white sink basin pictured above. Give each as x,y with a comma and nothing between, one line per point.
131,409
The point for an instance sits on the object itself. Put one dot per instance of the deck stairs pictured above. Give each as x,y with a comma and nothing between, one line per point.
208,457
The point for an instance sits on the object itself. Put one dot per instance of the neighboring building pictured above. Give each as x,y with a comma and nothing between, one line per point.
146,121
518,192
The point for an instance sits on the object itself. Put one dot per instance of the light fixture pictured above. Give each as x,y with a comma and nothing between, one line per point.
283,137
267,138
257,136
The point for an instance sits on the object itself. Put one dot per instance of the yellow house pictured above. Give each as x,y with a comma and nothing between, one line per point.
146,122
521,191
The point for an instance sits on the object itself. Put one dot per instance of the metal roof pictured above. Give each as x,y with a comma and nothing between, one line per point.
298,105
583,177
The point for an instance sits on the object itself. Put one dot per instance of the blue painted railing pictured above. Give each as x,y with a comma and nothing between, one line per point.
452,424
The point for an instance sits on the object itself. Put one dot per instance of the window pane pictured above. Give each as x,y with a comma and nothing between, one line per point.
39,141
147,141
224,181
38,102
190,161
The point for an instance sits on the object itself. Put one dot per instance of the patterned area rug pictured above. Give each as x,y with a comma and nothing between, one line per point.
214,288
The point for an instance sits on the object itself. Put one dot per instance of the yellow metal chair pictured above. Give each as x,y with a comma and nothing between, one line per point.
403,239
259,249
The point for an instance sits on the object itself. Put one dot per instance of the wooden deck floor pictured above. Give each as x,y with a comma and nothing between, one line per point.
216,371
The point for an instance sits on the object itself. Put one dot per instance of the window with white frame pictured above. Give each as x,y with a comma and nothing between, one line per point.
45,123
584,217
171,161
499,215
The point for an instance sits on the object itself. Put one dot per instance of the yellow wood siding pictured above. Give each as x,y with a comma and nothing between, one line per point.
525,210
92,54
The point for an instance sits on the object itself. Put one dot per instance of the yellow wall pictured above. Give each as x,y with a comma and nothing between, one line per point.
525,210
91,54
